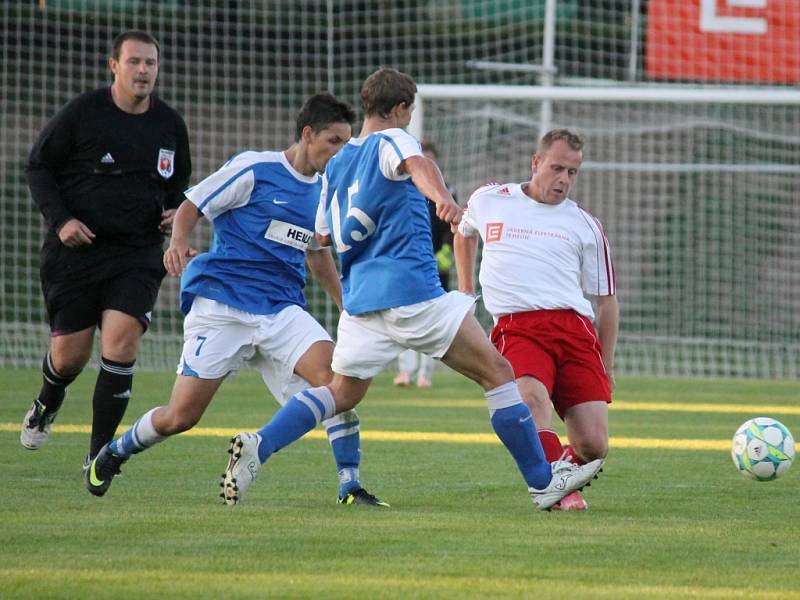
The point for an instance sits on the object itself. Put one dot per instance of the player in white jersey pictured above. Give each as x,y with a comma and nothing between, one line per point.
373,210
542,256
244,297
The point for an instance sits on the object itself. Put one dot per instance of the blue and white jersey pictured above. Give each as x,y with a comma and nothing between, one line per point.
380,224
263,212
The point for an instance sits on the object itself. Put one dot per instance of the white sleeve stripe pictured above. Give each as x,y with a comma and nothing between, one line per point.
223,187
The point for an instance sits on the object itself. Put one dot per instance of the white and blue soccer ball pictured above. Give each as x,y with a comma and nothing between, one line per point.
763,449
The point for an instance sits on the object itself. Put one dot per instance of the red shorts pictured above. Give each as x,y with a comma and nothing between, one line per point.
559,348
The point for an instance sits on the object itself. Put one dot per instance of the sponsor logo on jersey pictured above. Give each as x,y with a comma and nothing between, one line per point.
289,234
107,159
166,162
504,191
494,231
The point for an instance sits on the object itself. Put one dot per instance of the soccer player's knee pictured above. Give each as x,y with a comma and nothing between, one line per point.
593,448
499,370
344,404
121,350
180,422
69,364
322,376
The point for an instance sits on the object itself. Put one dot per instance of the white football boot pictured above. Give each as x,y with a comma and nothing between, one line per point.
243,467
567,478
36,426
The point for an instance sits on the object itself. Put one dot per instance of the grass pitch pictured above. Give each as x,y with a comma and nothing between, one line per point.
669,517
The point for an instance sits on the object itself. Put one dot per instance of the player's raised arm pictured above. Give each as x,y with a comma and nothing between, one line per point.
428,178
179,253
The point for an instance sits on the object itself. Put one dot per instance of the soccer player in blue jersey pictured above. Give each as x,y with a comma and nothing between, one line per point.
243,299
373,211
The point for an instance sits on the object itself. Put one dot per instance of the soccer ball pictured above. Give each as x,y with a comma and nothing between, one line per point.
763,449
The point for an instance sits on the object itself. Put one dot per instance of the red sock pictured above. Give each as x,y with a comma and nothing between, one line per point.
550,444
572,457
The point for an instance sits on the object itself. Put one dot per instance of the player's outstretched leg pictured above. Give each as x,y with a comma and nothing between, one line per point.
301,413
473,355
345,439
547,482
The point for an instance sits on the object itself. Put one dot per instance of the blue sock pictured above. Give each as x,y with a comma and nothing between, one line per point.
513,423
301,413
343,434
138,438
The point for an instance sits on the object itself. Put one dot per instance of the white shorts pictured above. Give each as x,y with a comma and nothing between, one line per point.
367,343
218,338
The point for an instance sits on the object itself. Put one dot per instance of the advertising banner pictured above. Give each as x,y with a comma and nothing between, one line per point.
724,40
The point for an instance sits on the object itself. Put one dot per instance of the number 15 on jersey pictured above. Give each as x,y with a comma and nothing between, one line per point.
358,230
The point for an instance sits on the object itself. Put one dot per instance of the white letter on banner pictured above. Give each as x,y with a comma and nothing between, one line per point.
711,22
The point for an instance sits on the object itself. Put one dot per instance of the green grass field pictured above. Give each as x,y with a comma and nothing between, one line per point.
669,517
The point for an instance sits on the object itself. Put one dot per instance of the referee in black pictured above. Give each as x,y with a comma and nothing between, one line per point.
108,173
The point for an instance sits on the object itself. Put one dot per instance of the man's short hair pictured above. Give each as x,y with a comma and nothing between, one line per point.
573,140
320,111
136,35
385,89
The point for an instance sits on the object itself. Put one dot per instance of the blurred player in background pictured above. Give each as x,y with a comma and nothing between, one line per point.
373,210
542,255
107,172
244,298
410,361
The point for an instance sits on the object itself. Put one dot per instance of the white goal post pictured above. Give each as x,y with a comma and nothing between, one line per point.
677,95
698,189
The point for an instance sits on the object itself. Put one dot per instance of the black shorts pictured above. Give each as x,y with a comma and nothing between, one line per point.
80,284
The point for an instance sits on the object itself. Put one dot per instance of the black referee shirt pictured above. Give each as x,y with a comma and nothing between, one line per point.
114,171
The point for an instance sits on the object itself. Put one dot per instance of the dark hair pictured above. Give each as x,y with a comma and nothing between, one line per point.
133,34
573,140
320,111
385,89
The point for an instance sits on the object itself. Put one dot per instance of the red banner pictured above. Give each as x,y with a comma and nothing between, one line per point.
724,40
